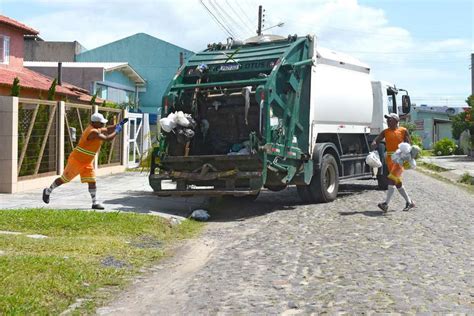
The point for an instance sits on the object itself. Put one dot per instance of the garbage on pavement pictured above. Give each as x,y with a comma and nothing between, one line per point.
200,215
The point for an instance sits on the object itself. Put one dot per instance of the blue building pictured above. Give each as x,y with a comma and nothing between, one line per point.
115,82
155,60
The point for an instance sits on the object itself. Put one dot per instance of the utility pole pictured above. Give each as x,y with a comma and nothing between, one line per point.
259,30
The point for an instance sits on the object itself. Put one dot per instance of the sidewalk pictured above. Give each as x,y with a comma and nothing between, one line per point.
456,165
128,191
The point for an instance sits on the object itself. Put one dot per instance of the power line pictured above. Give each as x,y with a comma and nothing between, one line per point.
226,16
244,23
217,20
245,14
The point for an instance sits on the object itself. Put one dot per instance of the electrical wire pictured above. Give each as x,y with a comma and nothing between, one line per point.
225,16
244,23
223,27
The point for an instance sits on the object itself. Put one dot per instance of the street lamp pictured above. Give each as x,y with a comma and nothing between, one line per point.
277,25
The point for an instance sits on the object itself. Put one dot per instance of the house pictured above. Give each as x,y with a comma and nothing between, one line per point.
155,60
33,84
114,82
432,123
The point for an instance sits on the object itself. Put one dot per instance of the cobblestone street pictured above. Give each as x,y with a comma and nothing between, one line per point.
276,256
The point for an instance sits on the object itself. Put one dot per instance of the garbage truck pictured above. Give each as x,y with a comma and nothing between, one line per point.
269,112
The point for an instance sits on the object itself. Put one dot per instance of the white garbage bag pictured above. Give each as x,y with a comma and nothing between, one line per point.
373,159
405,148
167,124
415,151
181,119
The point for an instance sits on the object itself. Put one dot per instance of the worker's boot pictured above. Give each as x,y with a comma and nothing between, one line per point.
383,206
45,196
97,206
409,206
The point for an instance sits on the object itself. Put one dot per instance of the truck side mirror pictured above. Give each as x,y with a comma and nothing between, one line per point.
406,104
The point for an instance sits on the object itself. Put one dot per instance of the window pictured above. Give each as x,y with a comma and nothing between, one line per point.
4,49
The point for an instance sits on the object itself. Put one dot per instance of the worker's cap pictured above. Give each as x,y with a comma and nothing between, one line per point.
392,115
98,118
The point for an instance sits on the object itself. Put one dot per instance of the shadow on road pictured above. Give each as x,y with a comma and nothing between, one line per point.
223,209
366,213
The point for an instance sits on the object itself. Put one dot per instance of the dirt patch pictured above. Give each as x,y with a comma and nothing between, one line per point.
169,279
114,263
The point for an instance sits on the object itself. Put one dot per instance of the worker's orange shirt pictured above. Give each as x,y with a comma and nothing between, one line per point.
394,137
86,149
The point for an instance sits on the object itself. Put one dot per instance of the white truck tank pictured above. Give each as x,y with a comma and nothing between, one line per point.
341,94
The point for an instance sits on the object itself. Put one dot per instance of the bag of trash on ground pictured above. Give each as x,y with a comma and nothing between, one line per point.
373,159
200,215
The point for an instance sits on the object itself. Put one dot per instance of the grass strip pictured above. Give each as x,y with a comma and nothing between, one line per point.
84,252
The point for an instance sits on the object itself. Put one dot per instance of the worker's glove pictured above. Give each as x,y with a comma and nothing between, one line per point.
122,122
118,128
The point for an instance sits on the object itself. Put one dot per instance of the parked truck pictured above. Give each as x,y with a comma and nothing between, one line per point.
267,113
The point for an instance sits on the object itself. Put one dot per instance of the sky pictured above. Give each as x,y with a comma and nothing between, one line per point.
423,46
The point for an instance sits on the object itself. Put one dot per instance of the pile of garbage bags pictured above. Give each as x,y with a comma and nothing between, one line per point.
181,124
406,155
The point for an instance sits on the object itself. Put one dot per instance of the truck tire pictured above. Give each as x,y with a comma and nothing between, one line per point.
304,193
325,183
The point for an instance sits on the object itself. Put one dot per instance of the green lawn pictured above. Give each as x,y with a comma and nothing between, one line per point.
84,252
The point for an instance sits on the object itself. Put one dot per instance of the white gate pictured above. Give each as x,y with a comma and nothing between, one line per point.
139,141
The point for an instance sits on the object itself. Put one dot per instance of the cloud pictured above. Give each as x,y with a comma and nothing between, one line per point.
365,32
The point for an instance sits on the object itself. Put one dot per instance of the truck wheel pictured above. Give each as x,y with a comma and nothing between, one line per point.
304,193
276,188
155,185
325,183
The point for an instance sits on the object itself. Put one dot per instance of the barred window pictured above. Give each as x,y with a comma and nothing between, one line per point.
4,49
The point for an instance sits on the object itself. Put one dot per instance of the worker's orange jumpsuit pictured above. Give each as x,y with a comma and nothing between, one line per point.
80,162
392,139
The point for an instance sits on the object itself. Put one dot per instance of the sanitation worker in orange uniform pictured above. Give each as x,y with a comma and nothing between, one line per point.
80,161
394,135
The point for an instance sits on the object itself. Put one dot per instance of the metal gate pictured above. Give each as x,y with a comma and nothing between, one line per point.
138,138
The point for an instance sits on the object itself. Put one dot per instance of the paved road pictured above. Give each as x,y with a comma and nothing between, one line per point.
277,256
128,192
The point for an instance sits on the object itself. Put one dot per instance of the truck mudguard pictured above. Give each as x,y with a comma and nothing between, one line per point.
322,148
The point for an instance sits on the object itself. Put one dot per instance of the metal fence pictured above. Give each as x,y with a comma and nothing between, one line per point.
37,138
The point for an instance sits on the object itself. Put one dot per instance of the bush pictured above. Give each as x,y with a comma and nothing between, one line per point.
444,147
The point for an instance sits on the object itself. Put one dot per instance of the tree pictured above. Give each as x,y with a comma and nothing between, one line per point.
465,120
16,87
52,90
93,98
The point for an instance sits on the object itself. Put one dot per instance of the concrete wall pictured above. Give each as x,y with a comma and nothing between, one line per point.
81,77
16,45
155,60
51,51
